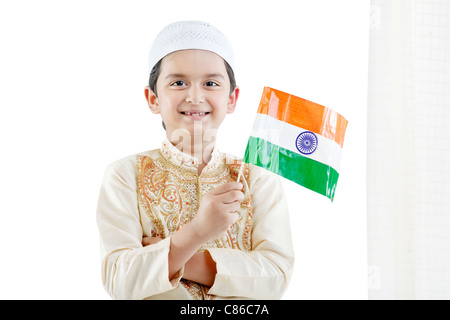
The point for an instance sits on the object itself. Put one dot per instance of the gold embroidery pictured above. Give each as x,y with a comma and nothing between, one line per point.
171,191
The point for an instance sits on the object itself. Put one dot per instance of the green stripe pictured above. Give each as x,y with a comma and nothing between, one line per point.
306,172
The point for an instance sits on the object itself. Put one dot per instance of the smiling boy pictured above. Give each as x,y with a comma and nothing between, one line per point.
194,96
174,222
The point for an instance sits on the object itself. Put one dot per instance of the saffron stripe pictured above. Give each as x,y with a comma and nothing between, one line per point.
306,172
304,114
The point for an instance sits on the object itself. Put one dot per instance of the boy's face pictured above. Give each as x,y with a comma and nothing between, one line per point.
193,93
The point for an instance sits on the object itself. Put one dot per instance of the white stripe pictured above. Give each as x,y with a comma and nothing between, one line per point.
285,135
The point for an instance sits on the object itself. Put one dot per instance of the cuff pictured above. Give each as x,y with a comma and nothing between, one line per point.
176,279
160,270
222,281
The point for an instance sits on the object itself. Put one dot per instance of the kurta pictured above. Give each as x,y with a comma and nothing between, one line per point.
155,193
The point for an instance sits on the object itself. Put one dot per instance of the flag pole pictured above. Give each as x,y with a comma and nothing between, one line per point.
240,171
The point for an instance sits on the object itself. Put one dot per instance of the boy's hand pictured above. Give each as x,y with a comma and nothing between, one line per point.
147,241
218,210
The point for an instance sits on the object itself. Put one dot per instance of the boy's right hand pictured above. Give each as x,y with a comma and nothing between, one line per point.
218,210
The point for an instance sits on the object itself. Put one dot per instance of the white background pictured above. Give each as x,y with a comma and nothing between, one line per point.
72,100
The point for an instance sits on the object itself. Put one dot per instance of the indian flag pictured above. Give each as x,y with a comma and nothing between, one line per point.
298,140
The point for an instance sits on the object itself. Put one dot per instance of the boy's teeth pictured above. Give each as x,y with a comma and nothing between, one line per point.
195,113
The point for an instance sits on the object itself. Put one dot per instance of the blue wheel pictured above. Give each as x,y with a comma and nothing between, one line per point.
306,142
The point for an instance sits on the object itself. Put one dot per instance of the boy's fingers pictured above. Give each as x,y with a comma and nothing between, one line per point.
227,187
232,196
235,216
146,241
234,207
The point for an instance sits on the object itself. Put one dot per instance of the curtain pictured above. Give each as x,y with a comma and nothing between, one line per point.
408,150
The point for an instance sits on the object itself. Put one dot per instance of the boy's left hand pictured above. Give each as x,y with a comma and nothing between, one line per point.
147,241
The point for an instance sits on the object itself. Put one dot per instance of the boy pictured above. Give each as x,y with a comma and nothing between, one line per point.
174,222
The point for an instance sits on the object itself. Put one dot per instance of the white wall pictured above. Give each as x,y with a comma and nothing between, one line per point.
72,101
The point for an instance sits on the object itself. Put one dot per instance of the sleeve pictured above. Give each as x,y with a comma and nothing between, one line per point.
265,271
129,270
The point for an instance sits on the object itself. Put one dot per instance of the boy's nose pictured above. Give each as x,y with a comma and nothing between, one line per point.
195,95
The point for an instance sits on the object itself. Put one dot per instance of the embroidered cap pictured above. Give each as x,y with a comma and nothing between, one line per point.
185,35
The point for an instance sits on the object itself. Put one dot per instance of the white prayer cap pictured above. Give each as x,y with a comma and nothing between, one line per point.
185,35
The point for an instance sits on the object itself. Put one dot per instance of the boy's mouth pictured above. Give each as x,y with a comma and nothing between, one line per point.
188,113
196,115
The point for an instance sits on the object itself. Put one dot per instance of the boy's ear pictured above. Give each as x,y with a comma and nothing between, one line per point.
232,100
152,100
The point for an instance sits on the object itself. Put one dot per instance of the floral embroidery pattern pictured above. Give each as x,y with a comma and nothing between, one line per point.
170,191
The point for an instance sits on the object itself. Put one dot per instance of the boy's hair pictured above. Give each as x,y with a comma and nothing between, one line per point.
156,71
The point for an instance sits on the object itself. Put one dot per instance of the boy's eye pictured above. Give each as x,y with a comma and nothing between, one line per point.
178,83
211,84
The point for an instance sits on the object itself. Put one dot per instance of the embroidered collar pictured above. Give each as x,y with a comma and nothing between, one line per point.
173,154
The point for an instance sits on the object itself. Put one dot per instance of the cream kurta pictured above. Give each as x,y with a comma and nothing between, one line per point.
155,193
